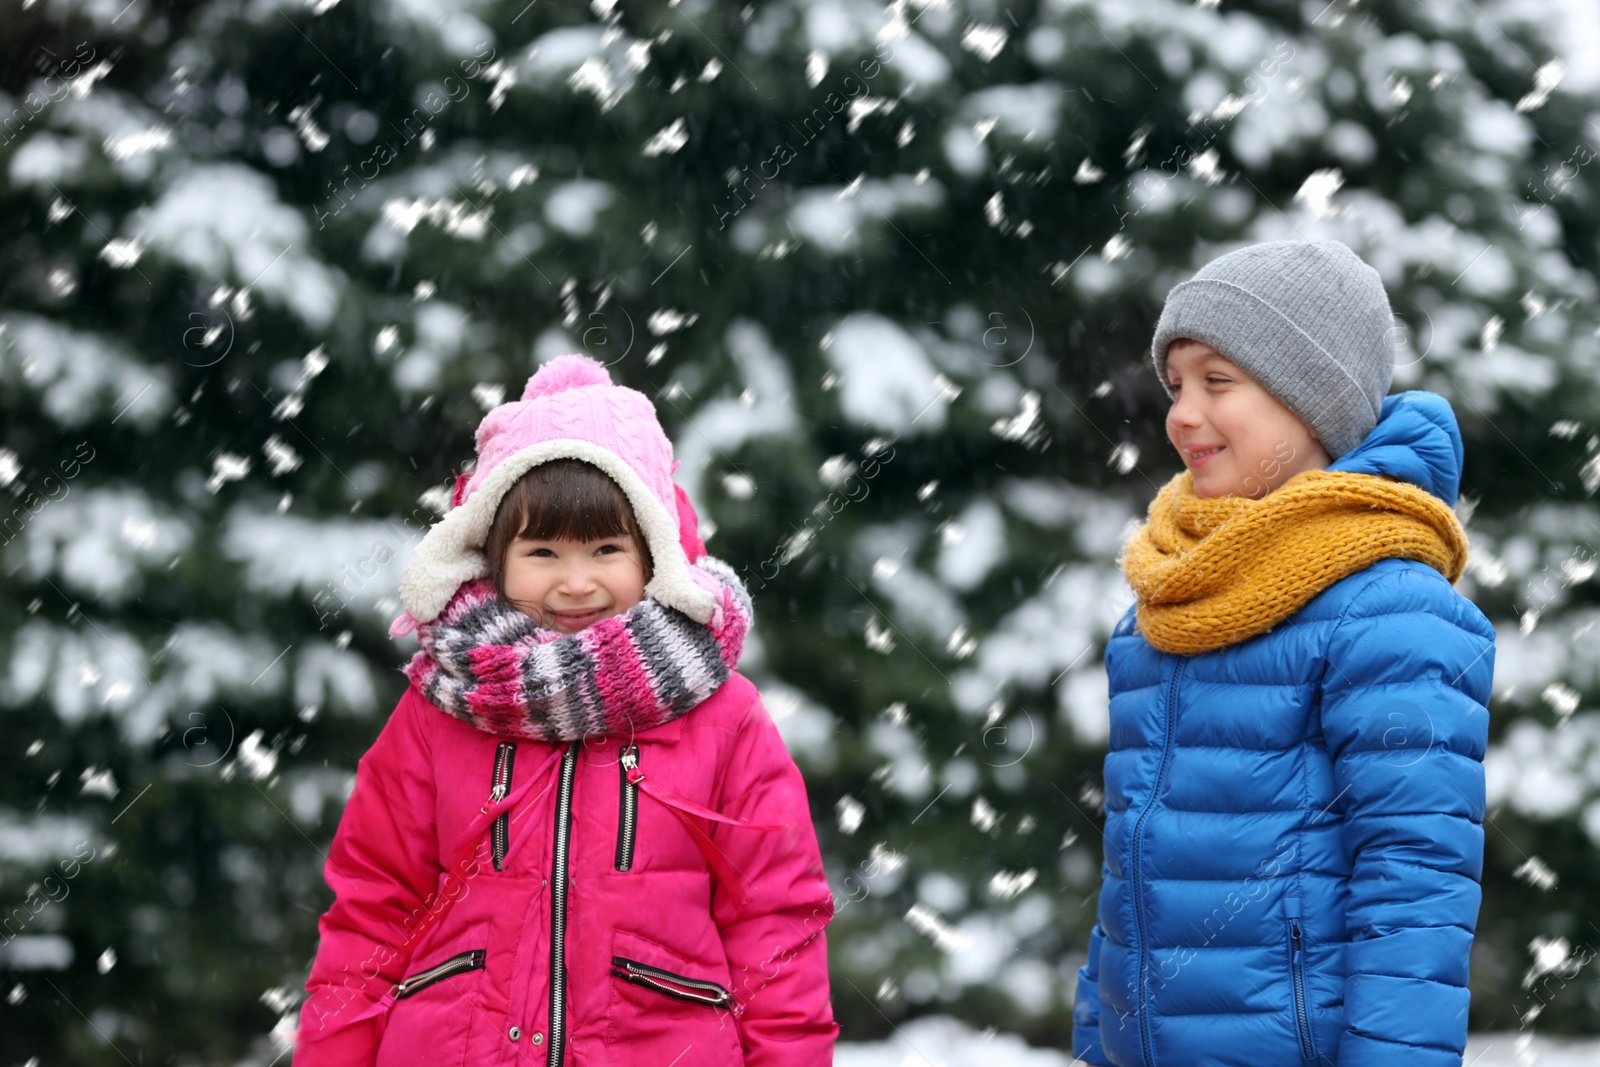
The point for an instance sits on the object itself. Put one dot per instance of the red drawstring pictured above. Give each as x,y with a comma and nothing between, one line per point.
732,879
487,814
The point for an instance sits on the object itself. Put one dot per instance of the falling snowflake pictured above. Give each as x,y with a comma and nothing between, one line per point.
1025,425
994,211
816,68
282,457
796,545
227,467
1316,192
667,321
1549,954
1492,330
1205,167
1005,885
925,920
312,134
984,41
887,859
98,782
489,395
1563,699
879,638
1544,83
122,253
851,811
134,144
668,139
594,77
1124,458
1087,173
437,499
258,759
1536,873
984,817
835,470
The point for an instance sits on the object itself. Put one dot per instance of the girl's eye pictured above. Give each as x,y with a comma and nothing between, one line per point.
1214,380
608,549
542,553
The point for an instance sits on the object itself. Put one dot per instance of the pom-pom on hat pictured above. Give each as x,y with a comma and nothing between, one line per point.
570,409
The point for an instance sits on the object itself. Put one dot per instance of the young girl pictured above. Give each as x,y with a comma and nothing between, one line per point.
1294,792
579,839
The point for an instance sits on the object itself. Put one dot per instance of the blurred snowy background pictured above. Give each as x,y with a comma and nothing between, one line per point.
890,271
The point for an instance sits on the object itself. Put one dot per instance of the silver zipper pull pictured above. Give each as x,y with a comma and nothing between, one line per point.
630,757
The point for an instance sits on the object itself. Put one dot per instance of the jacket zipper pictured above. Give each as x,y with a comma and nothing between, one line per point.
628,809
695,990
464,961
1138,853
558,909
500,832
1298,971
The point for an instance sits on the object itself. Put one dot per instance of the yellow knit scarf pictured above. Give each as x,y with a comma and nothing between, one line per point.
1209,573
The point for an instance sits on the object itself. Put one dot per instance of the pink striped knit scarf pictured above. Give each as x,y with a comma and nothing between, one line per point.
486,663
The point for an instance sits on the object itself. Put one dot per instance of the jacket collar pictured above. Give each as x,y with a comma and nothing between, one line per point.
1416,440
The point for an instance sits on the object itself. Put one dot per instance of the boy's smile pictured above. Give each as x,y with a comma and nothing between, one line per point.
1235,437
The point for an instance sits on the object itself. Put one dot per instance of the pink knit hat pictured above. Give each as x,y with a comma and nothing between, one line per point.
569,410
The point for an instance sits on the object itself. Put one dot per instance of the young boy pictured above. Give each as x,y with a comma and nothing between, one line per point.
1294,790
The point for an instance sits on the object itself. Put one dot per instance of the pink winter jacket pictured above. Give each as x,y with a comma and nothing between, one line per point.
664,963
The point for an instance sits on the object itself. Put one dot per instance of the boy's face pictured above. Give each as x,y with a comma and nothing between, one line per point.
568,585
1236,438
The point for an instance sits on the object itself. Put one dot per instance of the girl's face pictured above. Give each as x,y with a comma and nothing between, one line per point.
567,585
1236,438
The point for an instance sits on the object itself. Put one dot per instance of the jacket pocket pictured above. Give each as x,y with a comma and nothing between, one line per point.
1297,979
435,1007
666,997
667,983
627,808
460,963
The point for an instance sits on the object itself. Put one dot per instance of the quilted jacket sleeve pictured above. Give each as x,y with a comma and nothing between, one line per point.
1086,1047
1405,715
383,868
773,937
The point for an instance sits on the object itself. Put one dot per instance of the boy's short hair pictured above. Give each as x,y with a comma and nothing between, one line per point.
1309,320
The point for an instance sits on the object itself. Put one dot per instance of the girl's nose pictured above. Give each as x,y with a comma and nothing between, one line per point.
576,578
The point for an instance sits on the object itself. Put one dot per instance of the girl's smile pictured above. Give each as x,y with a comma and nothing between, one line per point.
568,585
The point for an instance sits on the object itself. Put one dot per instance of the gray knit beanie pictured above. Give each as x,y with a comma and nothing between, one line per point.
1307,319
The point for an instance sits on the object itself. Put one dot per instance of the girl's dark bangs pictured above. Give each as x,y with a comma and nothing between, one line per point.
578,505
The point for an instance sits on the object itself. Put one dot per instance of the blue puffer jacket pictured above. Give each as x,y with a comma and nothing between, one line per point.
1294,836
